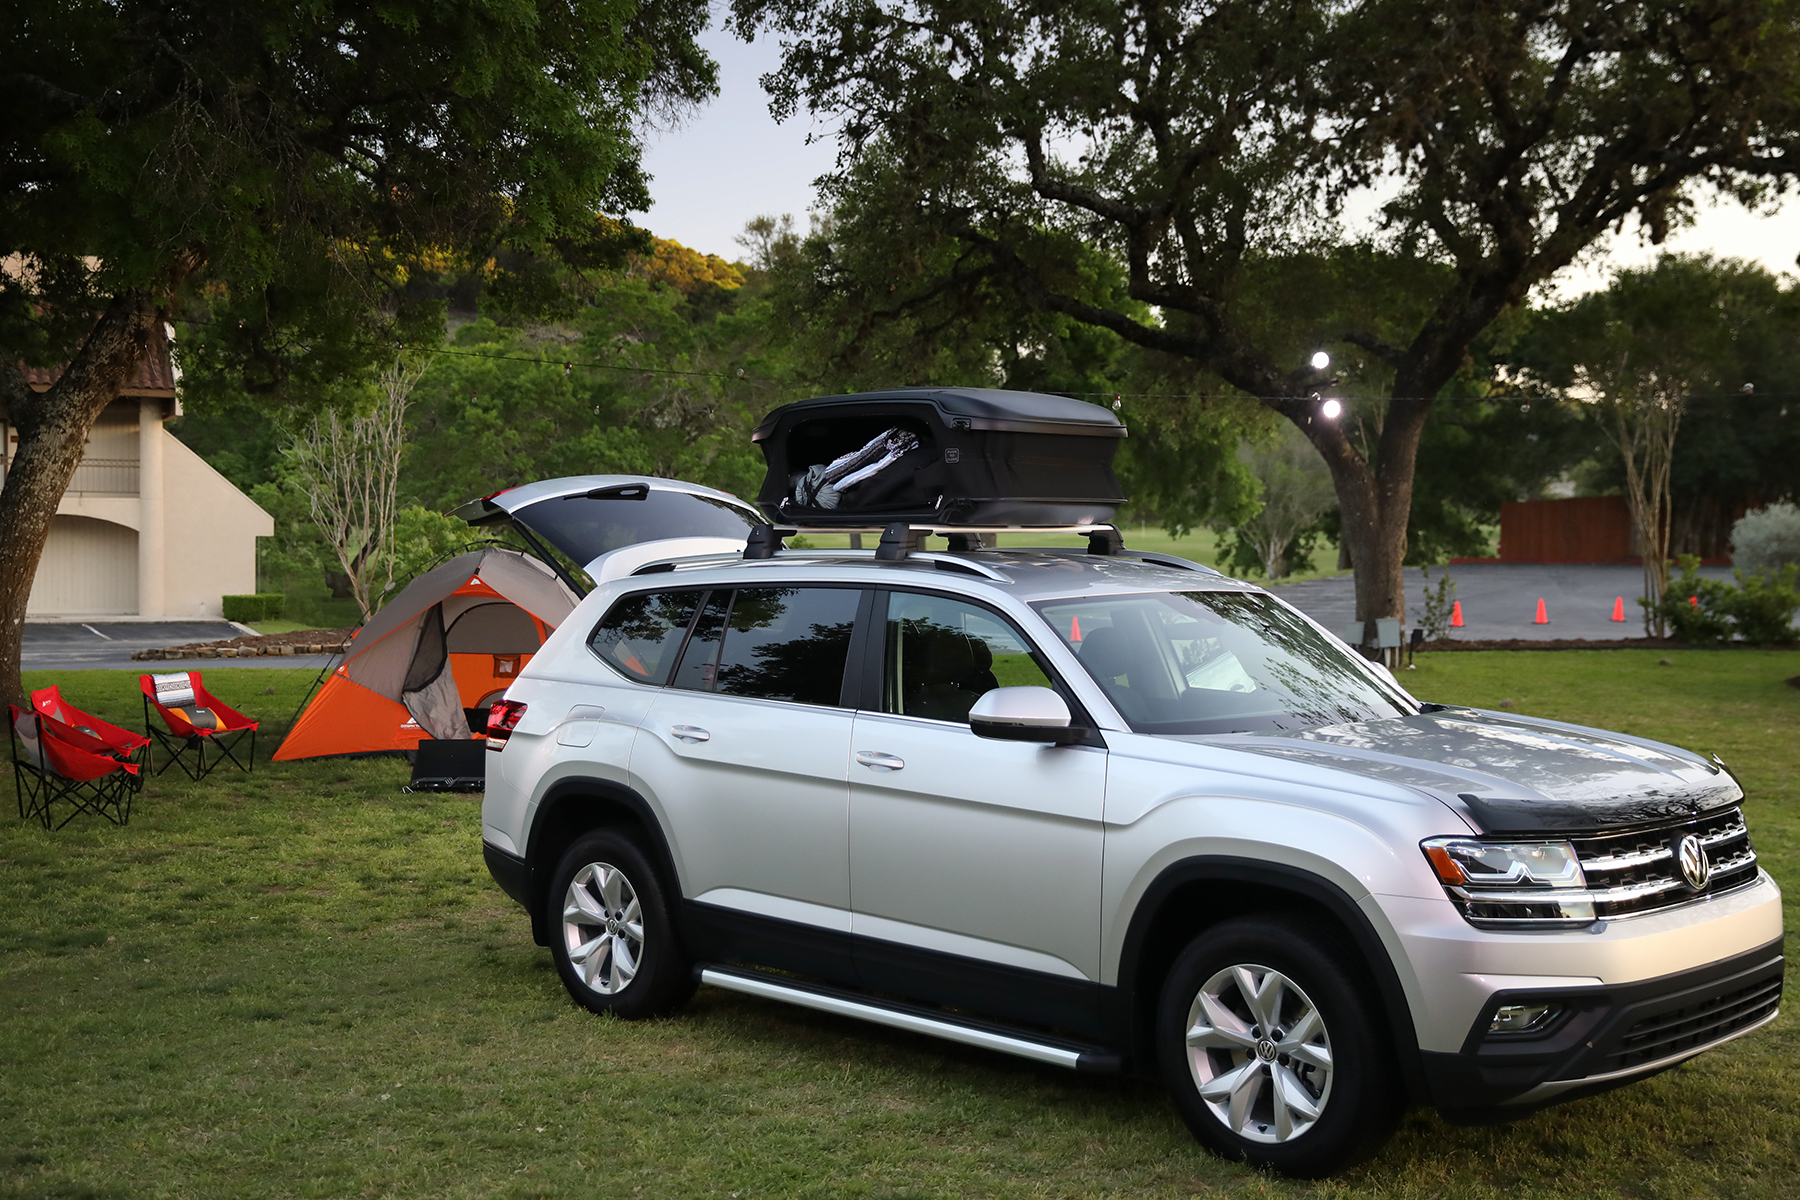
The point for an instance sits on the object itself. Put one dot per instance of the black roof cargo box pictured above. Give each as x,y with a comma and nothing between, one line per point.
939,456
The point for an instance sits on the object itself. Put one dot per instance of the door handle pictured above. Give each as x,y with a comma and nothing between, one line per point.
875,760
690,733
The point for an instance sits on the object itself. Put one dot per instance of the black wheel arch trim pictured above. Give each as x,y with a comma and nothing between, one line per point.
1303,884
541,859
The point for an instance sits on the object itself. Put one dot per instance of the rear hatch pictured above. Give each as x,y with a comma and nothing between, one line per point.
608,525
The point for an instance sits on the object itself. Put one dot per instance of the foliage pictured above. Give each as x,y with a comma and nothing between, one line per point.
1767,539
1295,491
246,610
1763,605
286,177
1002,145
1692,608
642,378
1711,612
687,271
349,470
310,160
1639,350
1440,606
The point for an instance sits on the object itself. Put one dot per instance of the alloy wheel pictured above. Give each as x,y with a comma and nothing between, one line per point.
603,928
1259,1053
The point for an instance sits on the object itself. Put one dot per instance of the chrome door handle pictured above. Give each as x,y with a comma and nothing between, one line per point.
875,760
690,733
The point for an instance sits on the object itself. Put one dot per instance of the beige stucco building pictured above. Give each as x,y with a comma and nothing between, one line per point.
147,528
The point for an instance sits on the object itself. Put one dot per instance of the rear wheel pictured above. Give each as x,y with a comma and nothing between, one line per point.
612,935
1269,1044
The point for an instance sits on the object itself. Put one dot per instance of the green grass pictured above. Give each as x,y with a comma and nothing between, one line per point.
302,983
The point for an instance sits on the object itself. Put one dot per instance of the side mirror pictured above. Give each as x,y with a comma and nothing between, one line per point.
1021,714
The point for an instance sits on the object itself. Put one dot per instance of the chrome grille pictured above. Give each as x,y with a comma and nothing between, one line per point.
1629,874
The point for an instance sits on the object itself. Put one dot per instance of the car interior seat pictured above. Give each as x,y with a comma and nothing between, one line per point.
945,671
1126,661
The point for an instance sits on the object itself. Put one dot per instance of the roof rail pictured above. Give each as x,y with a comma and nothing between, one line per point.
901,539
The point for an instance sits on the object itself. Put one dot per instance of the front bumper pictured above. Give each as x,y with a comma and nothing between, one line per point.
1605,1036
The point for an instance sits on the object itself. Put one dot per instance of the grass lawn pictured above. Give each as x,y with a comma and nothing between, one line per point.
302,983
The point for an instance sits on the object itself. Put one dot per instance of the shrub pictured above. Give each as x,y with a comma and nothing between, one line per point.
247,610
1763,605
1695,608
1440,605
1710,612
1766,540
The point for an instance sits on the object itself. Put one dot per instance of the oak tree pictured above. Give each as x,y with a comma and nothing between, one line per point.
1196,141
291,169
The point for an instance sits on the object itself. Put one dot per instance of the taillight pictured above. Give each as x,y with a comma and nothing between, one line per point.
503,718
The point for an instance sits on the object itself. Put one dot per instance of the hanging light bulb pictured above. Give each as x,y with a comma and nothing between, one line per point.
1320,361
1331,409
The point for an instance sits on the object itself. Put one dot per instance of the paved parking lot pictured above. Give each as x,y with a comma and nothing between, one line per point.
1499,600
107,645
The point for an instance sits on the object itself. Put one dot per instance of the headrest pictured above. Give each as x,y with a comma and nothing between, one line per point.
174,691
1108,652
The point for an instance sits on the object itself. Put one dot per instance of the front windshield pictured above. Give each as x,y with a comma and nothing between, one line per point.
1217,662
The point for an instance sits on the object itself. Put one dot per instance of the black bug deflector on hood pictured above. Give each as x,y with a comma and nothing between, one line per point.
1517,774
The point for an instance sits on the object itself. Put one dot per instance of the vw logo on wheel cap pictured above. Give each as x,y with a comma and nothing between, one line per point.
1696,868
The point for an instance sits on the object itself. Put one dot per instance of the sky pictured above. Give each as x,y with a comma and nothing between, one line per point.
731,162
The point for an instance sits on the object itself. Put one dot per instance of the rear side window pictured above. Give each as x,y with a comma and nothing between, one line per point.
773,644
641,634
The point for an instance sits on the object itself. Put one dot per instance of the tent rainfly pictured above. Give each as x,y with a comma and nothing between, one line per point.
430,662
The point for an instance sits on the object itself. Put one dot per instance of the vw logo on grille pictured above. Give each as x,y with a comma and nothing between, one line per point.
1696,868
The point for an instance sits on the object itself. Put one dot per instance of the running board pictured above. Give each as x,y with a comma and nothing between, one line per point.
1006,1039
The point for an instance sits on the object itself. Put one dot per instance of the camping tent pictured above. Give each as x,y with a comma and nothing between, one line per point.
428,664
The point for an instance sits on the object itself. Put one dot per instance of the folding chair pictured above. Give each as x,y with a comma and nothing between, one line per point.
195,719
53,761
125,745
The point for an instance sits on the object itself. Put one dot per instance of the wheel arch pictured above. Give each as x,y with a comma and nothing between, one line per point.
1193,895
573,807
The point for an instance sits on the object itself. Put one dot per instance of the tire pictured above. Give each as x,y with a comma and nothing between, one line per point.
1270,1044
611,933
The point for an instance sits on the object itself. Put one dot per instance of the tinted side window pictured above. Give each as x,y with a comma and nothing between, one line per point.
773,644
641,634
942,654
700,662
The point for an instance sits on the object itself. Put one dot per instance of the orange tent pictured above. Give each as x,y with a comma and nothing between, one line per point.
430,662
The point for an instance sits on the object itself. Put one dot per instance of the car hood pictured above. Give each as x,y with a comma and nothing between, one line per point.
1514,774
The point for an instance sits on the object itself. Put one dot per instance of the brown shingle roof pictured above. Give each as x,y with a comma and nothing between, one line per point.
154,376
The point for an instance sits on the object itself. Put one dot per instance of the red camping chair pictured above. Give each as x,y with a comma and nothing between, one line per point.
195,720
53,761
125,745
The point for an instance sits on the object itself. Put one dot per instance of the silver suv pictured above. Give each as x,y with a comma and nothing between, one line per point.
1115,812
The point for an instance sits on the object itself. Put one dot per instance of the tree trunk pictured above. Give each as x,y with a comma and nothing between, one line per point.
53,429
1374,501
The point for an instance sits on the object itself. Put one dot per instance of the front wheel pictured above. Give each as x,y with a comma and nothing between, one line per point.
613,938
1268,1042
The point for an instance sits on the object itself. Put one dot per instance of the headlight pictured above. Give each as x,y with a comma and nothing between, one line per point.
1512,881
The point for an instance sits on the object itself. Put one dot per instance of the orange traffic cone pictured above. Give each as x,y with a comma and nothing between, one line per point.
1619,609
1543,618
1075,630
1456,614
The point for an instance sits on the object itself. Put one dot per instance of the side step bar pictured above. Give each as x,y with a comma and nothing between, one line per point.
1006,1039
